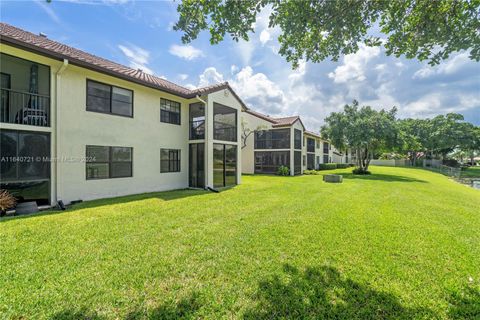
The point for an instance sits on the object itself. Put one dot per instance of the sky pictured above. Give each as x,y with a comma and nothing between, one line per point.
139,34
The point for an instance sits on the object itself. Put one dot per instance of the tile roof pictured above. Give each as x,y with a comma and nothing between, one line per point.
41,44
286,121
313,133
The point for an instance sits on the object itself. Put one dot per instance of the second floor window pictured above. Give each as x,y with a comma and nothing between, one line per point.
169,160
169,111
105,98
297,139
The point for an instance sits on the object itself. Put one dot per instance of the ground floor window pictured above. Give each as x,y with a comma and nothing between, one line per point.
108,162
270,161
224,165
25,165
325,159
297,162
169,160
310,161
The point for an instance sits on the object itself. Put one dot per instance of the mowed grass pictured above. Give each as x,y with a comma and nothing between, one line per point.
401,243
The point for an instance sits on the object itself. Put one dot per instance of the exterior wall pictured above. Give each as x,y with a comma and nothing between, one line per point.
318,149
226,98
297,125
248,152
73,128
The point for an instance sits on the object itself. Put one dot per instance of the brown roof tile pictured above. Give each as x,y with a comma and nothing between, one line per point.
40,44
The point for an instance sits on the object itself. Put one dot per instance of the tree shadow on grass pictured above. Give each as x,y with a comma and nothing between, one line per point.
80,314
465,304
323,293
381,177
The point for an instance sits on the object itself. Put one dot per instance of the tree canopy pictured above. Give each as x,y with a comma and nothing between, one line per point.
315,30
364,130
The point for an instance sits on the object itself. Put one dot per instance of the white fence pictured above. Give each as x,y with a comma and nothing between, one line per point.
390,163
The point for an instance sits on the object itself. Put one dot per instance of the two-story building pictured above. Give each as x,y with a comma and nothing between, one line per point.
75,126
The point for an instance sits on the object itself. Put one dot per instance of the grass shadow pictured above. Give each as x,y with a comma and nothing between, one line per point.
323,293
380,177
465,304
80,314
164,196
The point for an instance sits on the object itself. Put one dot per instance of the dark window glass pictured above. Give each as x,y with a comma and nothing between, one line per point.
297,139
297,162
224,123
325,159
25,165
169,160
269,161
325,147
310,145
169,111
196,172
108,162
197,121
224,165
304,160
318,144
109,99
272,139
311,161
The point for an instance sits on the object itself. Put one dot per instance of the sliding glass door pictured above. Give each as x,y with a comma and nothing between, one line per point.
224,165
196,170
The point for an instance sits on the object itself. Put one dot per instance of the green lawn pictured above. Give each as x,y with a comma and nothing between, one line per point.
472,172
401,243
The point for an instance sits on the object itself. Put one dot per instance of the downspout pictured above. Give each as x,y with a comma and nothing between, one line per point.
60,71
206,135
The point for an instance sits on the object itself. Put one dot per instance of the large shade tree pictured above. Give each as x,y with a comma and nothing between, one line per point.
364,130
318,29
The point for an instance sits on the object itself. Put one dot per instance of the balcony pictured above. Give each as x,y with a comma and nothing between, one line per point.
197,130
24,108
225,132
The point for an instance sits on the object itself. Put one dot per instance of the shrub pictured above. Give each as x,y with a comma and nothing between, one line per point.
327,166
7,201
342,165
360,171
311,172
283,171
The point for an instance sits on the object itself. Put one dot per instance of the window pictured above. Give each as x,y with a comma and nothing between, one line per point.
325,159
109,99
169,111
272,139
269,161
108,162
224,165
224,123
197,121
310,161
304,160
318,144
297,162
310,145
298,139
326,147
169,160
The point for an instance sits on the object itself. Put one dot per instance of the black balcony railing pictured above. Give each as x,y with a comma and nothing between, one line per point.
24,108
197,130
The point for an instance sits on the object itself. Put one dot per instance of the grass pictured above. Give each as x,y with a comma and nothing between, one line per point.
471,172
400,243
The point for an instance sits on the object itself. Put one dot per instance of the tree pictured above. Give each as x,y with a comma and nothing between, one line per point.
315,30
470,144
247,132
414,136
364,130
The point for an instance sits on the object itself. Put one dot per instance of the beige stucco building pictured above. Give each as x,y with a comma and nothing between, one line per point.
78,127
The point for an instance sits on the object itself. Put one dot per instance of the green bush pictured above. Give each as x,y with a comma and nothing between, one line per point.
311,172
360,171
342,165
283,171
327,166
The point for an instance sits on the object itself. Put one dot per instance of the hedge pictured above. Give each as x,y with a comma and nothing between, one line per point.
327,166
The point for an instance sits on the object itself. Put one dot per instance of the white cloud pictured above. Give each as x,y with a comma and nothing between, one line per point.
259,91
187,52
354,65
138,58
210,76
265,36
450,66
47,7
245,50
233,69
183,76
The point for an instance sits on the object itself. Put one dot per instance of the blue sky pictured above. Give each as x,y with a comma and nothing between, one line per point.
139,34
